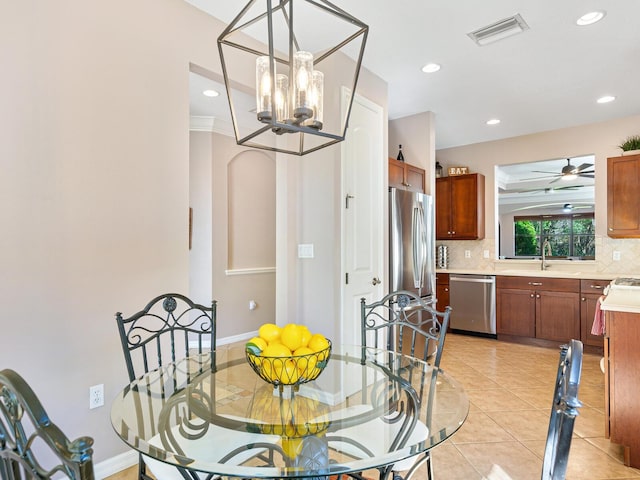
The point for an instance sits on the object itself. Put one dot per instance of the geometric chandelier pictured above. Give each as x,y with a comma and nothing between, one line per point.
301,60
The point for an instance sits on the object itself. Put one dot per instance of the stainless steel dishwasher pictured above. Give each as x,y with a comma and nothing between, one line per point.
473,300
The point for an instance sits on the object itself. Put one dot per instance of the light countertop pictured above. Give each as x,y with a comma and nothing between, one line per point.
622,300
550,273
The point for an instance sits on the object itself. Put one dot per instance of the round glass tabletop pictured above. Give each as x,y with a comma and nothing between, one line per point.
368,409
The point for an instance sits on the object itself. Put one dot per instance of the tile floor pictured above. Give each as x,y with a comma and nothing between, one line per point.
510,387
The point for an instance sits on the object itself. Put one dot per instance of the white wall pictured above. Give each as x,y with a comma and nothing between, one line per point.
94,157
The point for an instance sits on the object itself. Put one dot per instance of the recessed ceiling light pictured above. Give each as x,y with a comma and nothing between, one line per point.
431,67
591,18
606,99
210,93
493,121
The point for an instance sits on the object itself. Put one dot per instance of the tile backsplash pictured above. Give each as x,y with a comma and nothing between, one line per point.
627,250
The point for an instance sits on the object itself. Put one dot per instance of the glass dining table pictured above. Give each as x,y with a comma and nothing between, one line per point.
369,409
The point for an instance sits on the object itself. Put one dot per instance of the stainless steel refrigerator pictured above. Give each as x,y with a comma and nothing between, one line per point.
412,243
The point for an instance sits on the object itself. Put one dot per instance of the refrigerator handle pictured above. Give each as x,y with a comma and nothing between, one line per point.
419,241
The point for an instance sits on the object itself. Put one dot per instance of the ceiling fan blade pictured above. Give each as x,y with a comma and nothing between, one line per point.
537,178
582,167
542,171
586,175
557,179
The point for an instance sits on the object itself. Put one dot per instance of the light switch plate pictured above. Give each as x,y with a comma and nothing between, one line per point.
467,254
305,250
616,255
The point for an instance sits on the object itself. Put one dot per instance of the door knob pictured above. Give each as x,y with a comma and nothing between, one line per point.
375,281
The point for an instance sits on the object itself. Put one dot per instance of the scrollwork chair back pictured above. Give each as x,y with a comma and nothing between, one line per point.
406,323
31,445
169,328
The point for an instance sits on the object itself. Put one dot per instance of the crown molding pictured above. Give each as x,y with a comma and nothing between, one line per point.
210,124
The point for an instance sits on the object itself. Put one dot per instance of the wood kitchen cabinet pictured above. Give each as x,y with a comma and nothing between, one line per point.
622,383
538,307
460,207
405,176
623,201
590,292
442,291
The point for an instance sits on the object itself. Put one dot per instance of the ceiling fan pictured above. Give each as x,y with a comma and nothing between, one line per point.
569,172
543,189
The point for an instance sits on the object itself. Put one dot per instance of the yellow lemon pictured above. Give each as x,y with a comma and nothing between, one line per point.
306,335
318,342
307,363
269,332
276,350
256,343
291,336
289,373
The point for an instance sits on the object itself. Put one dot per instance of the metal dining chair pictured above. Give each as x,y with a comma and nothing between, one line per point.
405,323
168,328
31,445
564,410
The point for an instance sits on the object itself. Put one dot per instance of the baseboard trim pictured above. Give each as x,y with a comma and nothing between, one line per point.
116,464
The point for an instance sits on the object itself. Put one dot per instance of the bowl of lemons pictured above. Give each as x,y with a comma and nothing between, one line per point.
288,355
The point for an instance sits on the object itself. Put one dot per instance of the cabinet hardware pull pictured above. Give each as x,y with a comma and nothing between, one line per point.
453,233
584,299
538,296
537,284
446,289
610,229
532,295
595,286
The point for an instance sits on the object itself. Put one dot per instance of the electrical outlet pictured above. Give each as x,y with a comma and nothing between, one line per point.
467,254
96,396
485,253
616,255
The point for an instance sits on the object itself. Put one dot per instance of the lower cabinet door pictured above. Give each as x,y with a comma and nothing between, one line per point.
558,316
516,312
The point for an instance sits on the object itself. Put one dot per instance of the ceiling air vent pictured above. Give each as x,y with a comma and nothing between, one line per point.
499,30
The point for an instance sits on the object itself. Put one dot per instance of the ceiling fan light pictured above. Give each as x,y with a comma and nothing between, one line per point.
568,177
567,208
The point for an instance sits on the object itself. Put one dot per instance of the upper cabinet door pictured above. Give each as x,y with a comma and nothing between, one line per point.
405,176
460,207
443,208
623,200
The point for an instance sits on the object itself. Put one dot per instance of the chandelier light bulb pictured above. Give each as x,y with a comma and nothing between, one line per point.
316,95
302,71
282,98
263,90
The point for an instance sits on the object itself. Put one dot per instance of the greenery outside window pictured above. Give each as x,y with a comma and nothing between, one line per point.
571,235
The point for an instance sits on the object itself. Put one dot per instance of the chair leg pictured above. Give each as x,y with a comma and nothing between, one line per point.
429,467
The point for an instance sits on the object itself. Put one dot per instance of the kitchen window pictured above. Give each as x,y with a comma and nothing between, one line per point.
570,236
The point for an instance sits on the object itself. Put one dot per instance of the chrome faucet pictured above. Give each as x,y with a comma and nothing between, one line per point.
546,250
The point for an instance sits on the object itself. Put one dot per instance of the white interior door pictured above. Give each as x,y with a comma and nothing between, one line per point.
364,200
